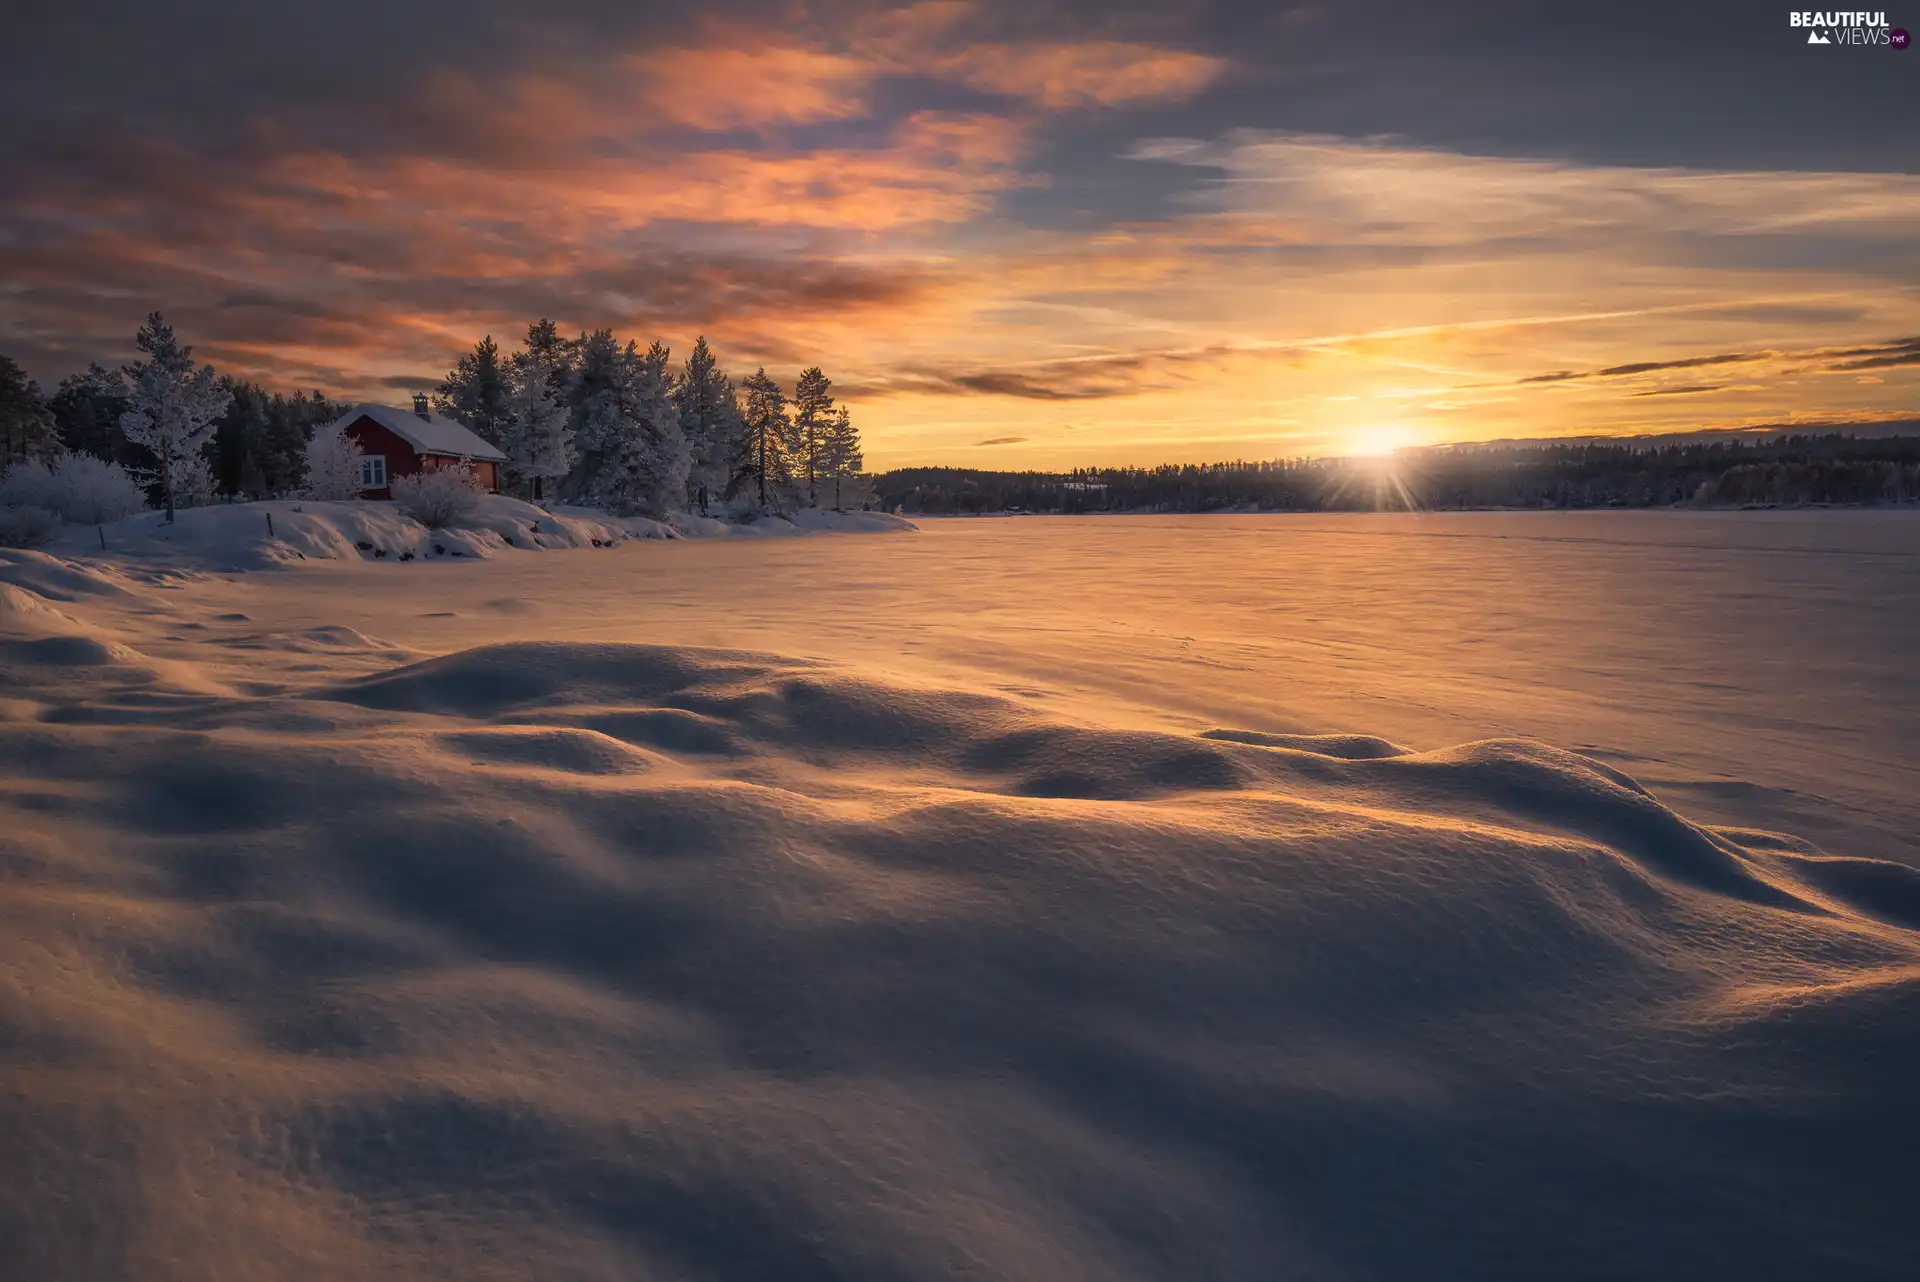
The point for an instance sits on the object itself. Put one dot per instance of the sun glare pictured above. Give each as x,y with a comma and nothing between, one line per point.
1378,441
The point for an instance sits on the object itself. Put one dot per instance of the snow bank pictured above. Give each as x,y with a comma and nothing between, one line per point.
253,536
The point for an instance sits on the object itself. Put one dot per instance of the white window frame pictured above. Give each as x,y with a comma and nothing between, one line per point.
373,472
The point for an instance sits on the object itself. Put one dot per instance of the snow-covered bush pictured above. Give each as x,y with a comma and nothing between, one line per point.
91,491
27,526
333,466
443,497
29,483
75,487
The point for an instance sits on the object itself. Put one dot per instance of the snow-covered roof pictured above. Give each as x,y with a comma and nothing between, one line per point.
436,434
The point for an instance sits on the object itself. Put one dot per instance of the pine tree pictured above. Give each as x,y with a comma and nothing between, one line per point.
540,447
597,407
172,409
762,456
647,464
842,453
87,409
26,424
812,419
478,392
710,421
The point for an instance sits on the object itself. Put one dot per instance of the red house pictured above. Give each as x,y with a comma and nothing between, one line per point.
396,442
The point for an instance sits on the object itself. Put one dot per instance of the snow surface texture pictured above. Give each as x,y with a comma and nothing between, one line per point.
439,925
255,536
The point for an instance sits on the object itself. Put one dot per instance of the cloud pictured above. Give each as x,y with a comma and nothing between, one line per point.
1096,74
1319,189
1004,440
1689,362
1889,355
1691,390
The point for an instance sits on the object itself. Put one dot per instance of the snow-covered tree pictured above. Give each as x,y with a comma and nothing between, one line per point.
842,455
711,423
540,445
478,391
647,463
26,424
761,459
812,419
598,394
333,465
441,497
172,408
193,481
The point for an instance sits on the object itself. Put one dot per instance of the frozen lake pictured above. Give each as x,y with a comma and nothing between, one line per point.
1132,898
1757,667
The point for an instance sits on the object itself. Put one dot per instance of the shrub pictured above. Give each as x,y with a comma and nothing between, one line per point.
27,526
28,484
74,487
91,491
444,497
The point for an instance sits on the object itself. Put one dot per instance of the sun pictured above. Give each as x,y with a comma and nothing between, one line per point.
1378,440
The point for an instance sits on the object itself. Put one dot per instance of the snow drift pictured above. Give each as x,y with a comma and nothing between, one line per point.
596,959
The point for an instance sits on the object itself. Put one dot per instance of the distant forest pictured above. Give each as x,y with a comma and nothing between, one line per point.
1774,470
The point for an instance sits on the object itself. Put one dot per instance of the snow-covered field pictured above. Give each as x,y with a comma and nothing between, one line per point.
1173,898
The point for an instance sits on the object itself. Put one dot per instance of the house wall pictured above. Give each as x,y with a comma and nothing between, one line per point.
375,438
486,469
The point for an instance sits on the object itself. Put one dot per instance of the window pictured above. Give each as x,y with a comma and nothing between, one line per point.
373,472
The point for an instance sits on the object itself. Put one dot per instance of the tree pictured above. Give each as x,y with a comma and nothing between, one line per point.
599,392
540,448
478,392
26,424
762,457
259,444
647,463
171,410
842,453
710,421
333,465
812,419
86,411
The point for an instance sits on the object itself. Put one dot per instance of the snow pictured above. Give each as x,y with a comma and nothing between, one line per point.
437,434
280,533
1146,898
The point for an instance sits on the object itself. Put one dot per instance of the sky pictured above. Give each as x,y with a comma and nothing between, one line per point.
1017,235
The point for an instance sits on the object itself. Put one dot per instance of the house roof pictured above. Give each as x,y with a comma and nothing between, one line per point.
435,435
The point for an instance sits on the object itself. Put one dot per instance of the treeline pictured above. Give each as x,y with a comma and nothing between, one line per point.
1830,468
587,419
256,447
593,420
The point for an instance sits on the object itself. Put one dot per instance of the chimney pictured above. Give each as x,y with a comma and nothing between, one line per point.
420,405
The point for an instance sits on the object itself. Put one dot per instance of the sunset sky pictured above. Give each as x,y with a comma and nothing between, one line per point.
1017,235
